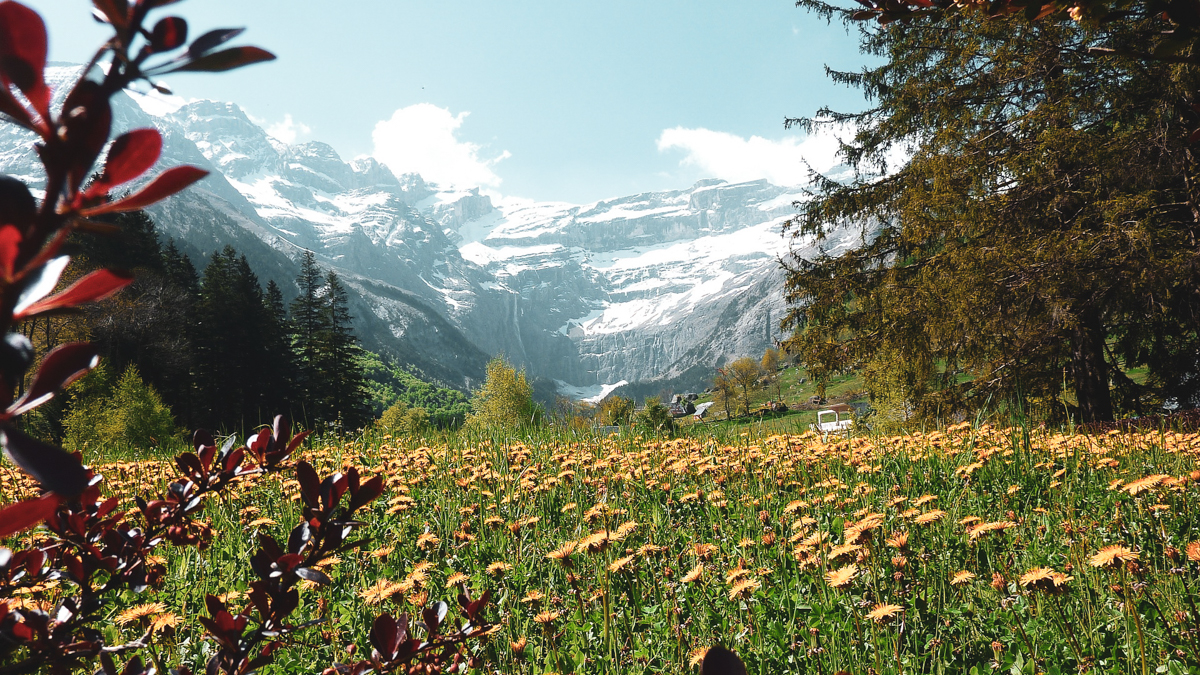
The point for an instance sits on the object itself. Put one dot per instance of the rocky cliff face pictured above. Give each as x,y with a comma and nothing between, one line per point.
635,288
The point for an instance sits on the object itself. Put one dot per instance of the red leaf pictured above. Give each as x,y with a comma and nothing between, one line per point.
23,54
10,243
95,286
62,366
168,34
130,156
116,11
56,470
227,59
87,123
21,516
164,185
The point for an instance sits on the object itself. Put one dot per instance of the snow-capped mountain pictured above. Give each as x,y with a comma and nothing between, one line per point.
652,286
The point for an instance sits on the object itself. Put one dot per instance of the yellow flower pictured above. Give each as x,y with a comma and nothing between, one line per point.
1193,551
165,620
533,596
1110,557
930,517
618,564
547,617
382,590
696,656
562,552
498,569
1045,579
456,579
695,573
844,550
139,612
961,578
744,588
884,613
703,551
984,528
840,578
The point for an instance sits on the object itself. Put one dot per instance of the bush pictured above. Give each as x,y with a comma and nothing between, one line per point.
126,413
655,416
400,419
615,411
505,401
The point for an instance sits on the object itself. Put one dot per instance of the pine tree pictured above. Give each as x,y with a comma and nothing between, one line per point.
345,395
233,377
308,323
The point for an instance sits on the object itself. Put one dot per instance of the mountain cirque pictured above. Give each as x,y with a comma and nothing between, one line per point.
656,286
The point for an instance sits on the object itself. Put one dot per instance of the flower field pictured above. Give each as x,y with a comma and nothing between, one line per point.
961,550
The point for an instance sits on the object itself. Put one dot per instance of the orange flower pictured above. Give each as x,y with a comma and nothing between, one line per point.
840,578
884,613
961,578
1110,557
695,573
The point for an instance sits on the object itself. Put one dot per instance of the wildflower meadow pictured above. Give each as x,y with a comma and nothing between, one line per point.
969,549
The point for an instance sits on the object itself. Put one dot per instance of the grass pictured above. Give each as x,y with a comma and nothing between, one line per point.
961,550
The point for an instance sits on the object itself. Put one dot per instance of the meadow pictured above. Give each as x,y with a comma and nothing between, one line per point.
968,549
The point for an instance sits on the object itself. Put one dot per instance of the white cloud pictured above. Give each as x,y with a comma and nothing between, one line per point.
289,130
723,155
422,139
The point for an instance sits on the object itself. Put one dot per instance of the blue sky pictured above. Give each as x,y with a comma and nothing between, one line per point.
550,100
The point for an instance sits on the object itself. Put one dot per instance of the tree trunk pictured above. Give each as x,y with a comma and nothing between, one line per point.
1089,369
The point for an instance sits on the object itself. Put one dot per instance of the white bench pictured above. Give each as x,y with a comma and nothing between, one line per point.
831,422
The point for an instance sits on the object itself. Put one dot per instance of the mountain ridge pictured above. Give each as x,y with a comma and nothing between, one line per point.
634,288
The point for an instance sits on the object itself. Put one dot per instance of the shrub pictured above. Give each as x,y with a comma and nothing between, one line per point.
505,401
655,416
126,413
401,419
615,411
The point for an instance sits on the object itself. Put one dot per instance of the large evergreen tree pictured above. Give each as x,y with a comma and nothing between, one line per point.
235,376
1040,230
307,321
345,389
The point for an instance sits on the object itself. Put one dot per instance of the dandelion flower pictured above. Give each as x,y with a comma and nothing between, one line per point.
259,522
562,552
898,540
649,549
547,617
625,528
498,569
961,578
1045,579
930,517
703,551
1193,551
382,590
620,563
984,528
595,542
165,620
1143,484
456,579
139,612
695,573
533,596
843,551
924,499
696,656
744,589
884,613
1110,557
518,647
841,577
427,540
382,552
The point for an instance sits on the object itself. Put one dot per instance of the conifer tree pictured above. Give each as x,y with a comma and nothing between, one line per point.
1038,229
307,321
345,389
